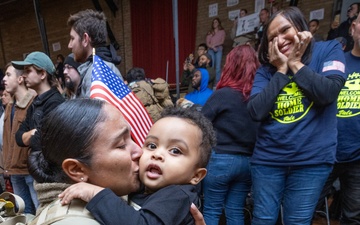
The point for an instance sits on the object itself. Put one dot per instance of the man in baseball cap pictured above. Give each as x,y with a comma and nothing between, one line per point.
39,75
38,59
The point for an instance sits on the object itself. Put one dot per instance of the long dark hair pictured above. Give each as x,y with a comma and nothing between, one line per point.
67,132
297,19
212,30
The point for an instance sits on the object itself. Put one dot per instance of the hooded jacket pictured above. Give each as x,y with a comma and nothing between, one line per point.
199,97
109,56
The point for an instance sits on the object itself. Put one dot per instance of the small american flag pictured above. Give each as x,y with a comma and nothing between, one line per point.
333,65
106,85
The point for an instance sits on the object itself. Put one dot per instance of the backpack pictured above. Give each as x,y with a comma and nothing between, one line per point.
161,92
145,93
74,213
8,214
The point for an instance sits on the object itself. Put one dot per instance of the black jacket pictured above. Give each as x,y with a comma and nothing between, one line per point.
40,107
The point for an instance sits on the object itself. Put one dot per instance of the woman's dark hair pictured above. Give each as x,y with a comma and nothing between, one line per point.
297,19
135,74
61,57
67,132
199,120
212,30
203,45
358,10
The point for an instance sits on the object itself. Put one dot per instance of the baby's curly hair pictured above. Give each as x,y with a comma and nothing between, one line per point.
199,120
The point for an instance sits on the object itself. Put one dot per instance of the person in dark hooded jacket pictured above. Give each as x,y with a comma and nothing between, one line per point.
88,31
201,91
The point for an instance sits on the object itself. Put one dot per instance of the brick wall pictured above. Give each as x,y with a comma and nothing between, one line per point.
19,32
204,21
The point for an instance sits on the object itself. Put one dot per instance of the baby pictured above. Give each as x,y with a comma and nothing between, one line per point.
175,154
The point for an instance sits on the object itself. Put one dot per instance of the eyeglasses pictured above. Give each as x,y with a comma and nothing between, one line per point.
68,67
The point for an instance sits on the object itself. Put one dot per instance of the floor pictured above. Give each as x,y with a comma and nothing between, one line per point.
322,221
317,221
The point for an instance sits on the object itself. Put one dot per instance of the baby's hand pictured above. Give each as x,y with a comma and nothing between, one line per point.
84,191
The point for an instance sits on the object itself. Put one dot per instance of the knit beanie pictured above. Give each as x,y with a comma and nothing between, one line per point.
70,61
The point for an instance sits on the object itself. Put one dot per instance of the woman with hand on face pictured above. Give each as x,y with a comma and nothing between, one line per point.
84,140
294,96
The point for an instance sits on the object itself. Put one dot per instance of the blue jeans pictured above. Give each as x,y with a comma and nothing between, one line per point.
297,189
226,185
23,186
349,176
216,62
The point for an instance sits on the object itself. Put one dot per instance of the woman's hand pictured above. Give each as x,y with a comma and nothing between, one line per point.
301,42
235,22
276,58
191,67
335,24
82,190
198,217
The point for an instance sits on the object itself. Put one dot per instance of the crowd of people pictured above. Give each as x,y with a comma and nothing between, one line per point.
298,133
47,140
278,124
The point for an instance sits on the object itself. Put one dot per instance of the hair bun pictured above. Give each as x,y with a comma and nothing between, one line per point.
39,168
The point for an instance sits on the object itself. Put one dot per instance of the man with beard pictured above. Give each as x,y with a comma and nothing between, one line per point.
88,31
201,92
205,62
72,77
343,30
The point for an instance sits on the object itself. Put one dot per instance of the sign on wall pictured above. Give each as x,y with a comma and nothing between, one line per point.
232,2
259,5
56,46
213,10
233,14
317,14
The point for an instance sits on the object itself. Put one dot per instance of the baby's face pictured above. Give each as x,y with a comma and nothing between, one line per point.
171,153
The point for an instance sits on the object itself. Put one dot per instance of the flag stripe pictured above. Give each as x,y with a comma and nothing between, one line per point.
136,136
101,92
135,132
106,85
132,105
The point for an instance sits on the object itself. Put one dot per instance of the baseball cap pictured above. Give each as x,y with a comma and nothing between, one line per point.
38,59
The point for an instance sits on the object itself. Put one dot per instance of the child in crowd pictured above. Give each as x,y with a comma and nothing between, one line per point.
175,154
